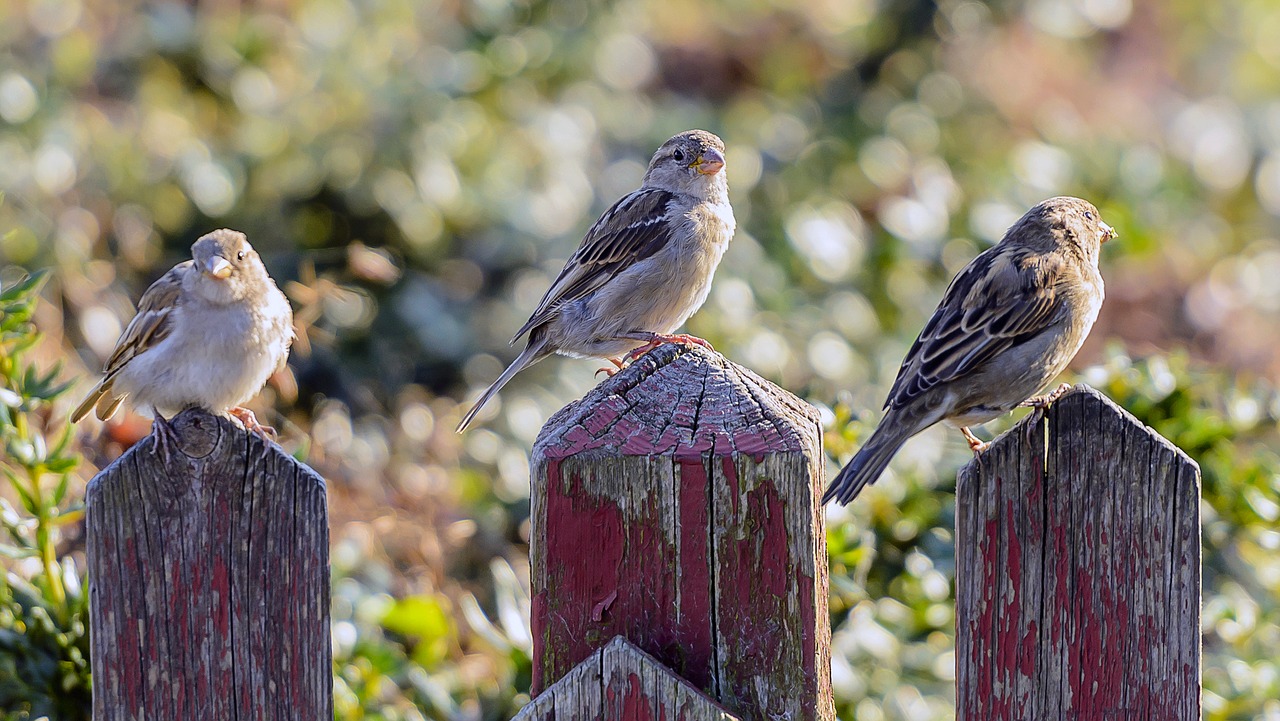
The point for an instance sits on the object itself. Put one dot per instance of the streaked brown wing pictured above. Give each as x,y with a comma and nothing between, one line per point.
153,322
1003,298
633,229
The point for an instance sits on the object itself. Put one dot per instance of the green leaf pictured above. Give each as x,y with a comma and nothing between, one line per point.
60,490
27,286
28,503
14,552
426,619
71,515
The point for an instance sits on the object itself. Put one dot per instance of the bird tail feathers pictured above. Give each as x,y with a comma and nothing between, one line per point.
532,353
100,397
867,465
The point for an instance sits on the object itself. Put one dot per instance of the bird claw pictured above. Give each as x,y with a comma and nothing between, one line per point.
618,365
657,339
1039,405
1029,433
687,339
976,444
1042,402
250,423
166,438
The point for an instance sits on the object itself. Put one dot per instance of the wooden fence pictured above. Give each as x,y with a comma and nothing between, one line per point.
678,505
1078,572
209,581
675,507
679,565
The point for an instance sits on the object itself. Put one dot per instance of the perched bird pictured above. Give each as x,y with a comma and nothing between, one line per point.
1009,323
208,333
641,270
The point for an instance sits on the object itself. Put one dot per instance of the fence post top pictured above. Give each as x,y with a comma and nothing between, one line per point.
685,402
204,438
1084,401
620,680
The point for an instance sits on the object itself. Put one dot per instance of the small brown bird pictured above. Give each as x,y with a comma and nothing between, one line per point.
1009,323
208,333
641,270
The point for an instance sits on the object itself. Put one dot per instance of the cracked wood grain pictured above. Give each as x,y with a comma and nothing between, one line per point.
1078,572
209,581
678,505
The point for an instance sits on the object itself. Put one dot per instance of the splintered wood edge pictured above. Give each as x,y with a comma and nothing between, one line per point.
589,690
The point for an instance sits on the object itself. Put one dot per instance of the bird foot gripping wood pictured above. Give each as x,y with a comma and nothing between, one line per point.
167,440
251,424
1042,402
653,340
976,444
618,365
1038,405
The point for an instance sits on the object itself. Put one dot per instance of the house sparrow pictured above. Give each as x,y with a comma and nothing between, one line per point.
1009,322
208,333
641,270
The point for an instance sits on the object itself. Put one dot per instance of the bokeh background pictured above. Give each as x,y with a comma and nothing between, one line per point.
415,173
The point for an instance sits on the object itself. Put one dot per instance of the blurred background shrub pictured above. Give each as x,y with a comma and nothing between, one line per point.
415,173
44,636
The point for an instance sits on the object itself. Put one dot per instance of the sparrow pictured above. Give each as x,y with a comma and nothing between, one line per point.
1011,320
208,333
641,270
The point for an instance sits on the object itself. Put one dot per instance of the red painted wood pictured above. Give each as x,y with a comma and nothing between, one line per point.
678,505
1078,572
209,581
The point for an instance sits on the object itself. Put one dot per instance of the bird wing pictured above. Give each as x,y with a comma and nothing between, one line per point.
1003,297
154,320
633,229
152,324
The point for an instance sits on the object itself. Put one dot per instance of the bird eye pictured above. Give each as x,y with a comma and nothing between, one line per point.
1088,215
678,155
240,255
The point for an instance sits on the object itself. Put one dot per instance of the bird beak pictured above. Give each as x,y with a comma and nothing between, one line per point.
709,163
1108,233
218,267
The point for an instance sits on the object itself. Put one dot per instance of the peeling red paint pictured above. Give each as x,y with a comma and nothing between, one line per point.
594,554
1071,602
708,586
184,624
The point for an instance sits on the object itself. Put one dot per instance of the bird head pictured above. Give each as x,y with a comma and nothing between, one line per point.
691,163
1070,220
225,265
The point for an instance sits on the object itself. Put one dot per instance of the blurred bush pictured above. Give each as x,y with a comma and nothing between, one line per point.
416,172
44,635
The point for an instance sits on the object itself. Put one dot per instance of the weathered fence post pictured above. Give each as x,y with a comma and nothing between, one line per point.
1078,572
209,581
678,505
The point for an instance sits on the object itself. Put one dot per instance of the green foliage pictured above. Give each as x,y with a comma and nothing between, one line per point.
394,658
44,634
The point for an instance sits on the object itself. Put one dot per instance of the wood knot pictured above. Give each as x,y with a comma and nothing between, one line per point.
199,432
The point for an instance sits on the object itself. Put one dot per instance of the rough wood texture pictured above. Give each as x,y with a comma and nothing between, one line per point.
209,581
678,505
622,683
1078,572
